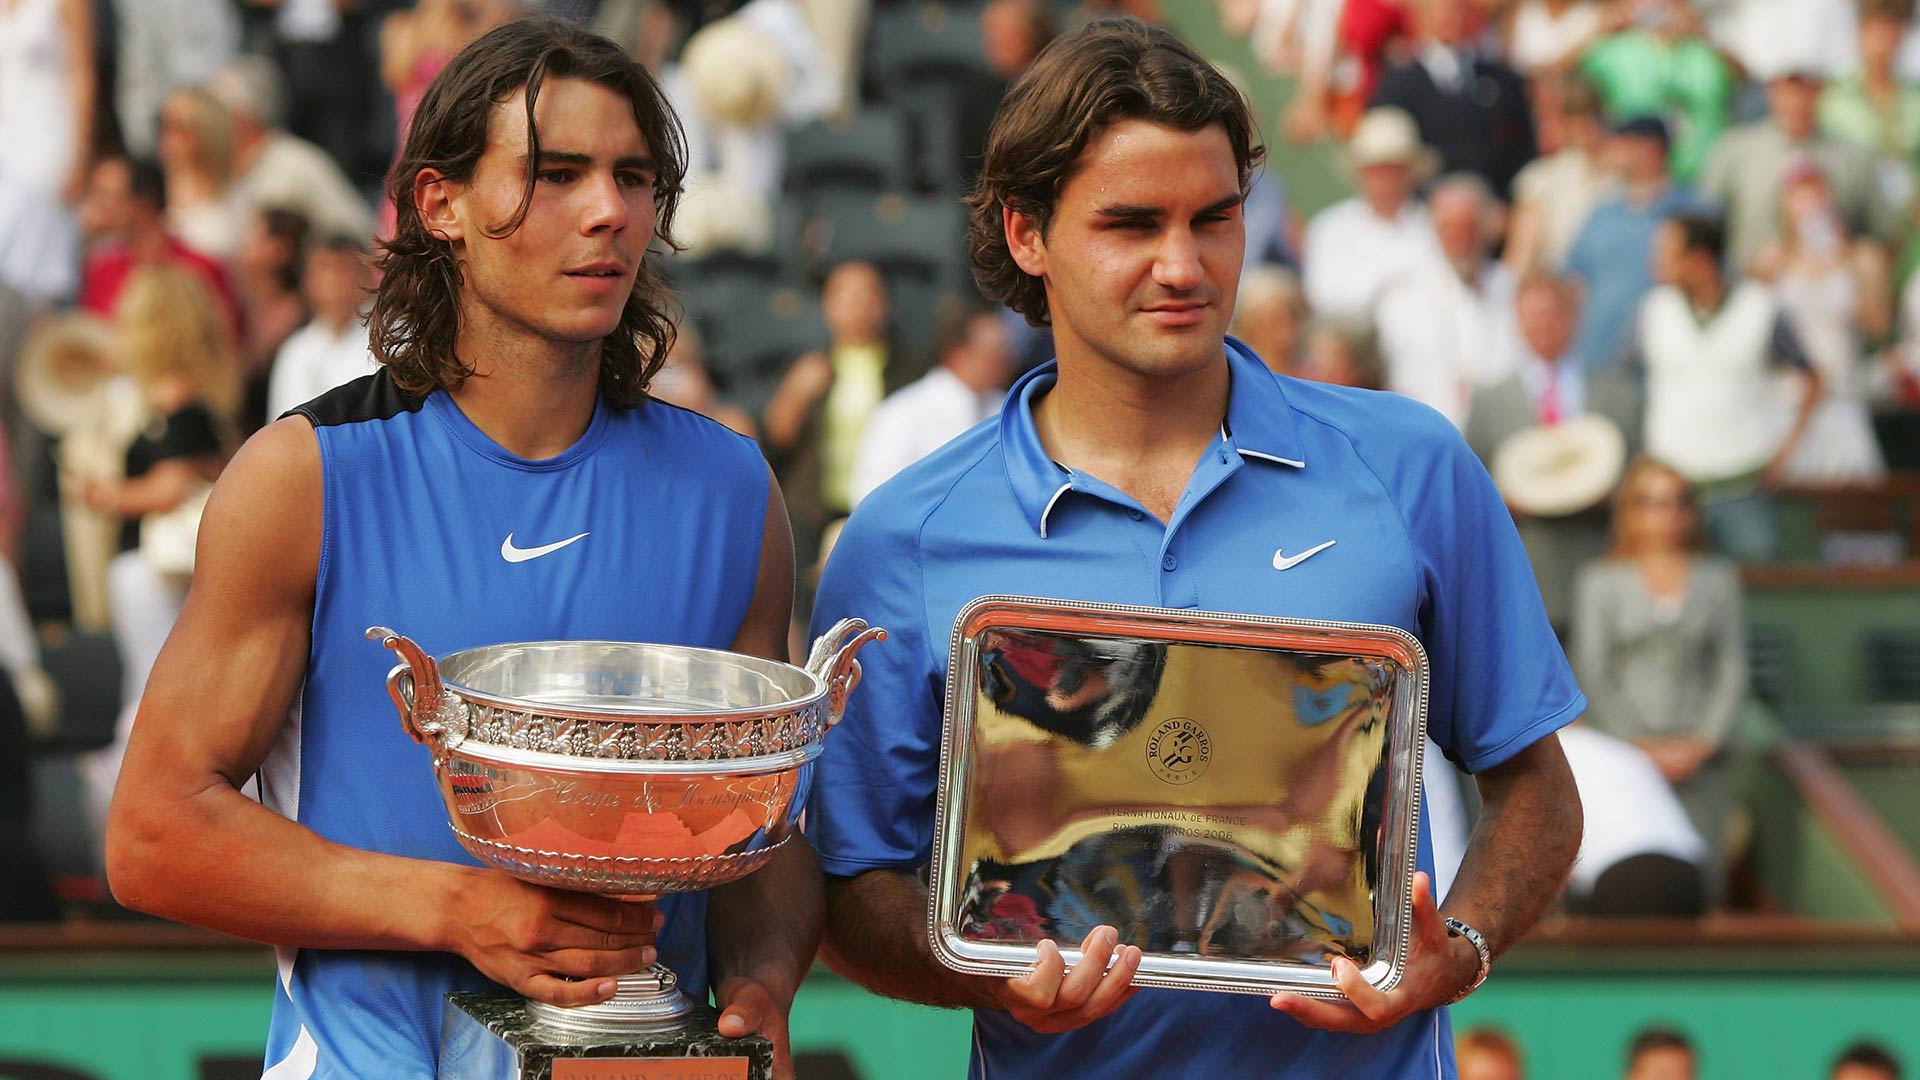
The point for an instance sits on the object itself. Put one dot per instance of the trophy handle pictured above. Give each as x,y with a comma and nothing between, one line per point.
832,661
414,684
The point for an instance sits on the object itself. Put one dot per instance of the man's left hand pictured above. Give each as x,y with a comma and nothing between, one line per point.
1438,967
749,1008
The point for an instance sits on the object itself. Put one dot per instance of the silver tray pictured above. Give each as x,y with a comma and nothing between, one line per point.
1238,795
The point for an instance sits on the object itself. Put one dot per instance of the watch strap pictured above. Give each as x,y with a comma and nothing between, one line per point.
1456,928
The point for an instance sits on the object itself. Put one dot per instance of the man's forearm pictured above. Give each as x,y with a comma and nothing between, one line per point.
1521,851
203,860
766,926
877,936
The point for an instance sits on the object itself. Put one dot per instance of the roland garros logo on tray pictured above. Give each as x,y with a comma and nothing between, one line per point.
1179,750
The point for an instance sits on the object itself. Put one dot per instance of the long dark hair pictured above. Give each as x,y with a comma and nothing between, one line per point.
415,312
1082,84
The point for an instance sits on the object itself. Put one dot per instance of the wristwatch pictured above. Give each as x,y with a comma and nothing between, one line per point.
1456,928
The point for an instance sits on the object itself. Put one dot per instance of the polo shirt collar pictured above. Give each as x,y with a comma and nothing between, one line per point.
1259,417
1259,427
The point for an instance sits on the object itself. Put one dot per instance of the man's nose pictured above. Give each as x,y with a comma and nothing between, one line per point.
1177,264
606,206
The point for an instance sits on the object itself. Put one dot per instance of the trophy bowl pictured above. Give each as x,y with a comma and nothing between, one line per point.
624,769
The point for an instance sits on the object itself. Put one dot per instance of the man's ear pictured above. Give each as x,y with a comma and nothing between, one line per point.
1024,242
434,196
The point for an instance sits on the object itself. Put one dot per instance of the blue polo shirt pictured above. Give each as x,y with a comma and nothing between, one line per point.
1420,541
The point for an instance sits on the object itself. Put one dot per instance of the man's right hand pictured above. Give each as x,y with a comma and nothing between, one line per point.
1051,999
554,946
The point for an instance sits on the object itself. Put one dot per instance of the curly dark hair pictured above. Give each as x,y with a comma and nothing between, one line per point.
416,310
1080,85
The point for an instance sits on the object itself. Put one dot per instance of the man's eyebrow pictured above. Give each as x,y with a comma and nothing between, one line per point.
574,157
1219,206
1131,211
1125,210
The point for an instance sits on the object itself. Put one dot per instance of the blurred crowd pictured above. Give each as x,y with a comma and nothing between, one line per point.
1656,1053
1651,256
191,193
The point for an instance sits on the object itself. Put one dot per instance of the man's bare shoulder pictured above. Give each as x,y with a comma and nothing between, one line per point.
262,523
283,455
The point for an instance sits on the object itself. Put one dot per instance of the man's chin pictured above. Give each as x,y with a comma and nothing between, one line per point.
588,329
1173,356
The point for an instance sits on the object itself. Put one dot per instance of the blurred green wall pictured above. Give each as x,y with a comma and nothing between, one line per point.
1780,1015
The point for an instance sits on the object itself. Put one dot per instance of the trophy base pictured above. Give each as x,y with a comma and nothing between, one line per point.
491,1036
646,1001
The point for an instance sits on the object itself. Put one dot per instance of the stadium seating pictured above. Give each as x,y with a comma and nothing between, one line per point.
924,42
867,151
917,237
1891,657
763,338
1770,663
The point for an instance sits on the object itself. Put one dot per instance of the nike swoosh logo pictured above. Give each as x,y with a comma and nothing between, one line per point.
1283,561
515,554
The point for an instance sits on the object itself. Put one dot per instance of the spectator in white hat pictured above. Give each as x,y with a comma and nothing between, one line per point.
1361,245
1447,326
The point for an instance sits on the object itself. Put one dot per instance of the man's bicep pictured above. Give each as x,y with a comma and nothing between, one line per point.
1541,761
224,684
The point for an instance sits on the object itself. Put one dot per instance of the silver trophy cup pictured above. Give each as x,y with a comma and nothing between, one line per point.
624,769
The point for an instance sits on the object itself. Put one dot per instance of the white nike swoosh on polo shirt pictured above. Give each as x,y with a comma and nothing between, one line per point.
1283,561
514,554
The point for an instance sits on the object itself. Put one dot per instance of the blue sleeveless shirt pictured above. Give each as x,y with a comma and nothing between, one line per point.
433,529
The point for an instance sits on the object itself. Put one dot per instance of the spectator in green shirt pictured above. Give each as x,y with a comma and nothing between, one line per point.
1872,107
1664,66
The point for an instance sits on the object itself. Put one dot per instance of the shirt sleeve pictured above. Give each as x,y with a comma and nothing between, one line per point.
1786,349
873,799
1500,681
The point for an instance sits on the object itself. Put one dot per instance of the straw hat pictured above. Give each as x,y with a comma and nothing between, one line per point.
737,72
63,374
1553,470
1388,136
